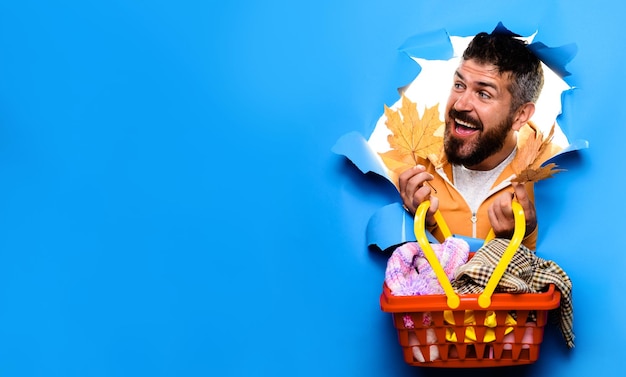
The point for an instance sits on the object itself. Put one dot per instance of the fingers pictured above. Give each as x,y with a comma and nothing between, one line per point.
501,213
501,210
522,196
527,205
413,189
430,215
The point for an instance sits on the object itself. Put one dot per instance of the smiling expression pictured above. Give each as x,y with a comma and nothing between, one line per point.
479,119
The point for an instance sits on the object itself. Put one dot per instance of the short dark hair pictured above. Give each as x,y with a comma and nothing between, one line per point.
510,55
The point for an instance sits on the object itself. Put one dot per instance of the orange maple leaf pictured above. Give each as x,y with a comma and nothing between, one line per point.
537,174
534,149
528,160
413,138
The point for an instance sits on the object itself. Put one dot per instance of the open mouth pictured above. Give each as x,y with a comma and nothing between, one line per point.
463,128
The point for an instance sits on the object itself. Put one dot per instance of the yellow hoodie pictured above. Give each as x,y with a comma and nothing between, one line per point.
455,209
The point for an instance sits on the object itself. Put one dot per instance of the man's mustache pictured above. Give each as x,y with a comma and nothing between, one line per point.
465,117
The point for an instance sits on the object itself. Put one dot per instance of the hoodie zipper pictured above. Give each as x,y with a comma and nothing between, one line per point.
474,221
474,218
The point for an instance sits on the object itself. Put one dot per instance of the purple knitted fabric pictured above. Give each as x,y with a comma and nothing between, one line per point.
408,272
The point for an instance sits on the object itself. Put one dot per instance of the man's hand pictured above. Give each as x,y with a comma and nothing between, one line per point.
501,213
414,190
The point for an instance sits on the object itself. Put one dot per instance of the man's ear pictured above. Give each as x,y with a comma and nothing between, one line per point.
523,115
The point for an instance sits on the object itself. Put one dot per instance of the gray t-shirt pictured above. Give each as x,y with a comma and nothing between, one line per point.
475,185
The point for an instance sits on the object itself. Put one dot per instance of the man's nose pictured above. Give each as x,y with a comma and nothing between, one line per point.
463,102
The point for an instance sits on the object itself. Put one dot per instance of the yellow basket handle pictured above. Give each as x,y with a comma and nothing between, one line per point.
420,234
484,300
453,300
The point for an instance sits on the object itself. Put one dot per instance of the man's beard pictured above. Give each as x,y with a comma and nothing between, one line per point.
485,145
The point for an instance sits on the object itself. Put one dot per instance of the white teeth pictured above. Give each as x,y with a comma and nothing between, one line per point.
465,124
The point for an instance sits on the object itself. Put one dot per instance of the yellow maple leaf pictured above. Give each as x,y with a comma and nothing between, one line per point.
534,149
528,160
413,138
536,174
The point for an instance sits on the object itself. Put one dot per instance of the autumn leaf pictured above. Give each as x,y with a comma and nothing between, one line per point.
534,149
529,157
413,138
535,175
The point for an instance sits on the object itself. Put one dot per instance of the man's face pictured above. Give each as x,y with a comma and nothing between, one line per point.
478,114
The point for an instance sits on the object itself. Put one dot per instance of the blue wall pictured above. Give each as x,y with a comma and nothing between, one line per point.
170,205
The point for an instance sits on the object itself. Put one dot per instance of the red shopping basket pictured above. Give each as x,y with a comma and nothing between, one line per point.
470,330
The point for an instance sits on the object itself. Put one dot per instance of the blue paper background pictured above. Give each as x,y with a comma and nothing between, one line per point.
170,205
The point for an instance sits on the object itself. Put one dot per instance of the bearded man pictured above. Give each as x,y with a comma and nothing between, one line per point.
492,100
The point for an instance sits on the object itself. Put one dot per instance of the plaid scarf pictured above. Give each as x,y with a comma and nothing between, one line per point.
527,273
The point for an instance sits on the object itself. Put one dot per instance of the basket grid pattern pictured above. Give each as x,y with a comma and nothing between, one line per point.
488,345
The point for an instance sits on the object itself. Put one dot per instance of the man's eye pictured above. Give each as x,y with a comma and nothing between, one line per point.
484,95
